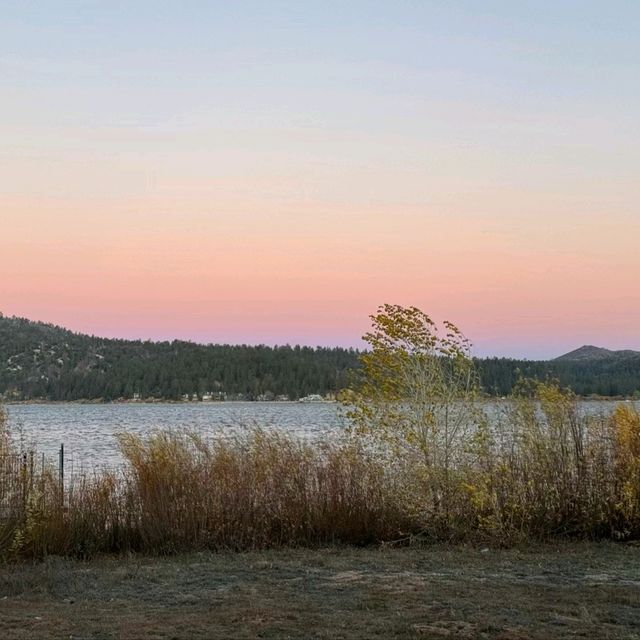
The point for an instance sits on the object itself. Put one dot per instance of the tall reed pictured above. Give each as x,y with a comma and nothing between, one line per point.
260,490
179,491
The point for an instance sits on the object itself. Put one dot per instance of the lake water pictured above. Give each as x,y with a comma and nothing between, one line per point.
88,430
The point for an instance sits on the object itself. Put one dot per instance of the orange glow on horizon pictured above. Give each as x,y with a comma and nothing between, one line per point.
313,273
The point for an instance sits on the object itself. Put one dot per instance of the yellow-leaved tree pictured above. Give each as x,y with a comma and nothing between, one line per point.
415,396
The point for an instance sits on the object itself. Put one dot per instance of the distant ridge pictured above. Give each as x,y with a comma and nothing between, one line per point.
589,352
42,362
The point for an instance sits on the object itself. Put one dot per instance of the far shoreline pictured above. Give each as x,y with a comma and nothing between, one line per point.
160,401
100,401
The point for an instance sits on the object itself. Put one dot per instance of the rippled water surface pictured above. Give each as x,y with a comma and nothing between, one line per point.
87,430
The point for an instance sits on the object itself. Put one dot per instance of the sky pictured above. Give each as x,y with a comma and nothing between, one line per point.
272,172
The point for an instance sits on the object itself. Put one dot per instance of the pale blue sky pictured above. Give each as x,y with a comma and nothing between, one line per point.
428,145
506,55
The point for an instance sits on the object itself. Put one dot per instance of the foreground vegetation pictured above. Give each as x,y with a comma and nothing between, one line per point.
553,473
423,460
577,590
41,361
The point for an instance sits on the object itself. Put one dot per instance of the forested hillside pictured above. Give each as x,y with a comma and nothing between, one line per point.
616,376
42,361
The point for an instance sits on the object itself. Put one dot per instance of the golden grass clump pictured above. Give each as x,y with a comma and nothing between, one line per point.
536,467
179,492
260,490
626,431
545,471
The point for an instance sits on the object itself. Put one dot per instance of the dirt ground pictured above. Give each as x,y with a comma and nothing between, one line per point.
567,591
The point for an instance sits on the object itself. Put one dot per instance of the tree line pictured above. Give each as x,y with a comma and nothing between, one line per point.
42,361
607,377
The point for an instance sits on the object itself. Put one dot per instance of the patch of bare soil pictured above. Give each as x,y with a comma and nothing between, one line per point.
567,591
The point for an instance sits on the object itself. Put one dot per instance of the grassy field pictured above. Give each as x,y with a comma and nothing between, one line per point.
585,590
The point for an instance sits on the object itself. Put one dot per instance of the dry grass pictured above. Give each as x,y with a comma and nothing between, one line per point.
544,470
551,470
577,590
180,492
258,491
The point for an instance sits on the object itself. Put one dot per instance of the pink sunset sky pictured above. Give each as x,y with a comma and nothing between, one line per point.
272,175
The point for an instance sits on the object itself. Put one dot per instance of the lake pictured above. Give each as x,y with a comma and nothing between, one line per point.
87,430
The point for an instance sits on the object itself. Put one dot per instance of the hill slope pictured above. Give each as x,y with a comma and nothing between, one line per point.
40,360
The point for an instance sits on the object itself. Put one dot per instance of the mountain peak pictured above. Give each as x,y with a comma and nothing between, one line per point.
591,352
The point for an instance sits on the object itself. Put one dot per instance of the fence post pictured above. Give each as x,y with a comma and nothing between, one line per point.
43,493
24,482
61,471
31,470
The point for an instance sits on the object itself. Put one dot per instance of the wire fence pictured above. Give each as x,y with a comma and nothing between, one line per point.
22,474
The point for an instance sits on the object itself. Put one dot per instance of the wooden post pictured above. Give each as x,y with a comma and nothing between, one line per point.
61,472
31,470
24,482
43,493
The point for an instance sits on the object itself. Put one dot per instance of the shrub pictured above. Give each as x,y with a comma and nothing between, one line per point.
181,492
625,424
